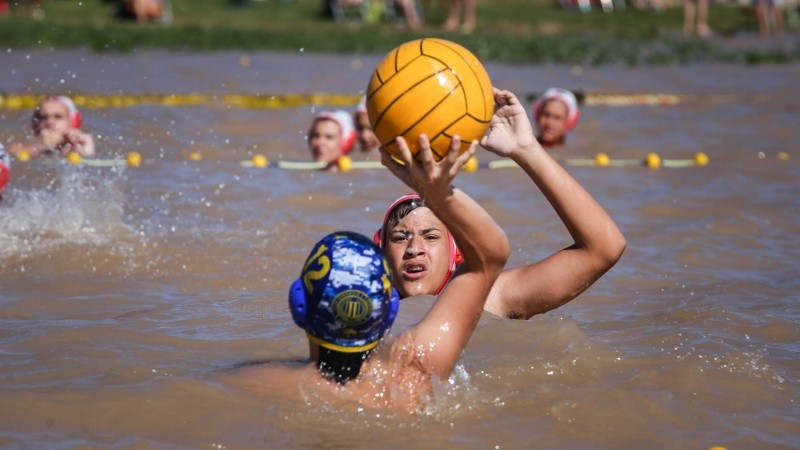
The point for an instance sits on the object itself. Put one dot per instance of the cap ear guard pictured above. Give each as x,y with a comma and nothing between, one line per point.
75,118
297,305
393,310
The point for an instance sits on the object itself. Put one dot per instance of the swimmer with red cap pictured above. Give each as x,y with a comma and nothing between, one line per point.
5,169
345,304
55,124
423,252
330,137
555,113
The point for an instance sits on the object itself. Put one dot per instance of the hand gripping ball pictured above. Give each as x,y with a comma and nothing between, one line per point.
430,86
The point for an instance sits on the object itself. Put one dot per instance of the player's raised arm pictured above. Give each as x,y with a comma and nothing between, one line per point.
444,331
541,286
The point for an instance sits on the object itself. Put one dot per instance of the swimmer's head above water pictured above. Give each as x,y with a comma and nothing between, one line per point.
331,135
344,301
56,112
421,252
555,114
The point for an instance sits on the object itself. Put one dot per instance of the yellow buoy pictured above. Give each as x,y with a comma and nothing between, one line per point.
701,159
260,161
133,159
345,163
23,156
471,165
783,156
74,157
195,156
602,160
652,160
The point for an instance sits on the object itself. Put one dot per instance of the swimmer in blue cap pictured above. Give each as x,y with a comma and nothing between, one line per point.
345,303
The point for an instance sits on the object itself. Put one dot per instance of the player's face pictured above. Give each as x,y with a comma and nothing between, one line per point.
552,122
418,253
52,115
325,141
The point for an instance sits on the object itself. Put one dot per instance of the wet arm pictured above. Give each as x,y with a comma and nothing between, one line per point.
542,286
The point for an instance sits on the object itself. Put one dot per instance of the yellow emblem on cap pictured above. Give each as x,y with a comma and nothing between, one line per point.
352,307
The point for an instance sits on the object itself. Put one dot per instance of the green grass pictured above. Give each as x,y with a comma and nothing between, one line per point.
515,31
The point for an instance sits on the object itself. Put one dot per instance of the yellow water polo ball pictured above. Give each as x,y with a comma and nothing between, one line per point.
431,86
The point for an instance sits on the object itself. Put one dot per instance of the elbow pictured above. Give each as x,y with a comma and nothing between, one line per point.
614,249
501,253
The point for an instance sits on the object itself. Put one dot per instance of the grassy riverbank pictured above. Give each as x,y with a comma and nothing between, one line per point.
516,31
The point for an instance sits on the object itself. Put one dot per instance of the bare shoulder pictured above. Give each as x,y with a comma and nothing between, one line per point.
404,370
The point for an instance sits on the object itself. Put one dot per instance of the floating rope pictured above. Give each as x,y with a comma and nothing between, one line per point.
345,163
13,101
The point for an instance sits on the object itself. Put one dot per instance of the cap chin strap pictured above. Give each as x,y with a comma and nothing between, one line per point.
342,348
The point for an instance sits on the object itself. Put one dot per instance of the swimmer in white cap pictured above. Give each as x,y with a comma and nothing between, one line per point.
55,124
331,136
555,113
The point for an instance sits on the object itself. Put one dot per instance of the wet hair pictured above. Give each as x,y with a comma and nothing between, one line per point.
399,212
339,366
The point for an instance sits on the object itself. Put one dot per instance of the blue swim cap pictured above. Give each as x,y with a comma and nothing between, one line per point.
344,297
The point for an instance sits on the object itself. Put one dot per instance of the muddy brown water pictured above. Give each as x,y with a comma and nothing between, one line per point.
124,289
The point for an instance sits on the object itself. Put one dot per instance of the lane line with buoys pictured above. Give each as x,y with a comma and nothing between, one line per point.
344,164
651,160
